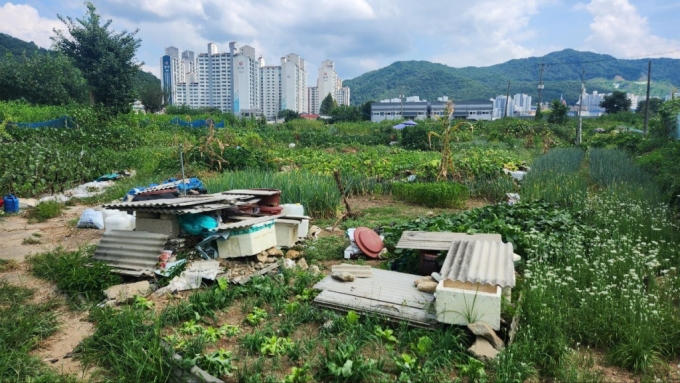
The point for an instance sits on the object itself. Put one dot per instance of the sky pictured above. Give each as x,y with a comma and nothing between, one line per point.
364,35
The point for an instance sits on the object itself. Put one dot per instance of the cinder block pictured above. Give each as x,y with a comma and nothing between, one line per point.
461,303
160,226
168,216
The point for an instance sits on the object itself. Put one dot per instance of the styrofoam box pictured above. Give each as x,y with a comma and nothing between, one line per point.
460,303
286,232
243,245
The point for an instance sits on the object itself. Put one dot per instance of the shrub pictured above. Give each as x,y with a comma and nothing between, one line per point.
438,194
45,210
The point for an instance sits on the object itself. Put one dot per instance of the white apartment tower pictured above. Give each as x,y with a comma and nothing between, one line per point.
328,82
228,81
283,87
293,83
270,90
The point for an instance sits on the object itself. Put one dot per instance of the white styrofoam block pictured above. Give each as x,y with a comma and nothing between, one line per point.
466,302
243,245
286,232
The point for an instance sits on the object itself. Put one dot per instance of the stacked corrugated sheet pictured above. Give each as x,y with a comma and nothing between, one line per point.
480,261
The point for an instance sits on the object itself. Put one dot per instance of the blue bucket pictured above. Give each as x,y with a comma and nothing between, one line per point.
11,204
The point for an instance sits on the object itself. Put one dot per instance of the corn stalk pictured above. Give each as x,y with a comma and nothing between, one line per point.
446,167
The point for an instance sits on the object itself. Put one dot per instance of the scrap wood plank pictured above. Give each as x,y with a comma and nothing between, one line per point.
386,287
438,241
343,302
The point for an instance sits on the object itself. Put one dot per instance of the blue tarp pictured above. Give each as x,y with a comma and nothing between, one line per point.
194,183
405,124
196,124
61,122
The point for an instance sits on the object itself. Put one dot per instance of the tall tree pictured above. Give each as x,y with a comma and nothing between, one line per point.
288,115
327,105
106,58
366,110
615,102
153,96
654,105
345,113
558,112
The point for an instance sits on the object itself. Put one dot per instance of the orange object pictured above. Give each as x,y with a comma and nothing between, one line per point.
368,241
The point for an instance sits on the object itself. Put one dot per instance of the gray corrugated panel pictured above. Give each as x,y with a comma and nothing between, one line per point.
255,192
246,222
438,241
133,252
179,211
485,262
177,202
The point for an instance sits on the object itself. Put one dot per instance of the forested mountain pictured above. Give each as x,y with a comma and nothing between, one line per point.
561,76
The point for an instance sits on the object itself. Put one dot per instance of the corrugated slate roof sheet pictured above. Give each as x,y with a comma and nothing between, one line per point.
438,240
130,252
480,261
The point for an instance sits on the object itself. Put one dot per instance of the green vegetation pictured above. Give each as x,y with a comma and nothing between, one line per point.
105,58
438,194
45,210
616,102
74,273
23,324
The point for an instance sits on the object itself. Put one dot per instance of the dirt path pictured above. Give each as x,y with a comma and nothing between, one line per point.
14,230
56,232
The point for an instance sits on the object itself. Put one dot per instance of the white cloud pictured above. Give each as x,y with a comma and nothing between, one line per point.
618,29
23,21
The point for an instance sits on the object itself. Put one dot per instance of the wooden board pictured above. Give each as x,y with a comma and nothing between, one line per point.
438,241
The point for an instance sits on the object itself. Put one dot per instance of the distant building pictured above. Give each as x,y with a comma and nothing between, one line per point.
672,96
415,109
521,104
591,103
327,83
499,107
228,81
284,86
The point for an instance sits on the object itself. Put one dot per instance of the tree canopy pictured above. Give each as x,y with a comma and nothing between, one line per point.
288,115
654,105
41,79
616,102
327,105
345,113
558,112
105,58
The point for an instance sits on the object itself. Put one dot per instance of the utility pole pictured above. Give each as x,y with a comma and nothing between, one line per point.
507,100
580,108
649,78
540,84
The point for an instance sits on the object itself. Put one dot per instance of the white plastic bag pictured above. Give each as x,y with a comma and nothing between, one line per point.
91,219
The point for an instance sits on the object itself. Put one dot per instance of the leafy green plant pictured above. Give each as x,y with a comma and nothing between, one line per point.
386,335
345,364
275,345
229,330
217,363
211,334
474,370
352,318
298,375
256,316
191,328
439,194
142,303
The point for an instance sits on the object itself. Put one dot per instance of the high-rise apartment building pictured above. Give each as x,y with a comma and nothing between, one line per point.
327,83
283,87
522,104
313,99
228,81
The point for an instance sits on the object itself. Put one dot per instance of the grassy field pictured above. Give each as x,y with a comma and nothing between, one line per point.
598,235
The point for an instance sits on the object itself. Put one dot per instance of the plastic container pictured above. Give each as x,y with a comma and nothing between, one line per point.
117,222
165,255
10,204
293,209
303,229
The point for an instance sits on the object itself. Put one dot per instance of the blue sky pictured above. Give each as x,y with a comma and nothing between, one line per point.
362,35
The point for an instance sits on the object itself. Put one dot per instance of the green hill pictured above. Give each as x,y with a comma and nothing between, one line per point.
561,76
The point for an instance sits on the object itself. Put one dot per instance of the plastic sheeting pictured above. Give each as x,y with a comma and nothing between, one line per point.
197,123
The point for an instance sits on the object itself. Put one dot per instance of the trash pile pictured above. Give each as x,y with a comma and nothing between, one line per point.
236,234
